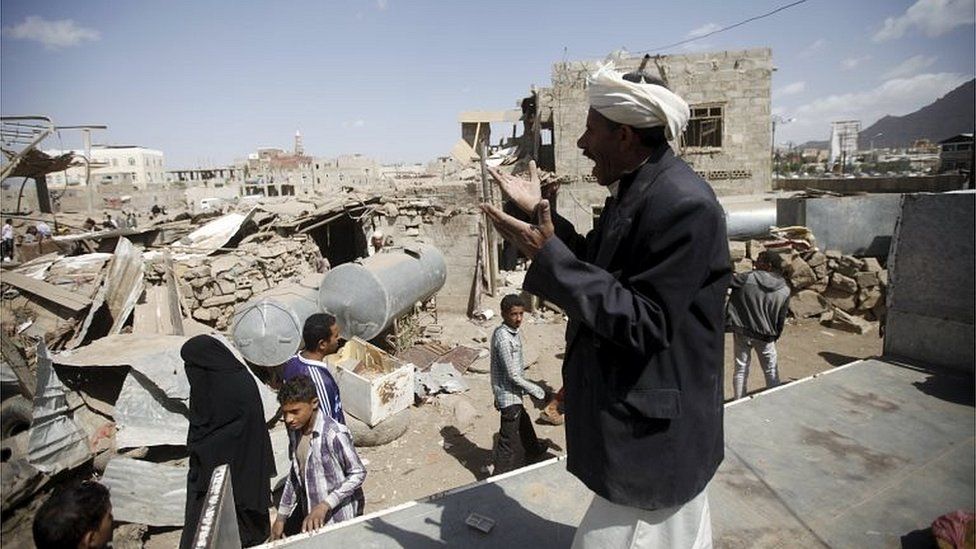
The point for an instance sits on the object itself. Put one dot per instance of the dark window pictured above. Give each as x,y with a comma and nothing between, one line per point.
705,127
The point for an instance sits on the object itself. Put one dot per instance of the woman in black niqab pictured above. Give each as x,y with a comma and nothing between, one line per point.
226,426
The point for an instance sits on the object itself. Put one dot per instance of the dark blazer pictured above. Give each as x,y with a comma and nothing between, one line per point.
644,292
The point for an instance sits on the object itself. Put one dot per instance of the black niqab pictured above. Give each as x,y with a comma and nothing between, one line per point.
226,425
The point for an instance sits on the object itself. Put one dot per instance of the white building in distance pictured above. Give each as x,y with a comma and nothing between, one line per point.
114,165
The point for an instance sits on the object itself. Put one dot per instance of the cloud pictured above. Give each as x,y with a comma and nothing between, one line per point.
790,89
62,33
354,124
381,5
812,49
932,17
692,47
898,96
911,66
703,30
854,62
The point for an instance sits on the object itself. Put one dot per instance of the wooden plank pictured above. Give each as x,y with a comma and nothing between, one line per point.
50,292
175,314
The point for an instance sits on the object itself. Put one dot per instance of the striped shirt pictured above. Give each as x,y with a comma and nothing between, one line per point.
325,384
333,473
507,369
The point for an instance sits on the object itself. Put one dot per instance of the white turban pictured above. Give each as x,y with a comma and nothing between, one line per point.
638,105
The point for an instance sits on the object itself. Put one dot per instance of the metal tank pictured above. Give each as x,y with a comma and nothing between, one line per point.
754,221
268,329
368,295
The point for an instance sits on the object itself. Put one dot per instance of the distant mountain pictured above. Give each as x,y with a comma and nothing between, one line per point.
951,114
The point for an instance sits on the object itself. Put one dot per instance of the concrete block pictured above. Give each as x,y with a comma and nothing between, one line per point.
743,266
217,301
850,323
808,303
870,264
843,284
841,300
867,279
815,259
737,250
800,274
867,298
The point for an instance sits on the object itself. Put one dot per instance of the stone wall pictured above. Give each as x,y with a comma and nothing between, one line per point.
739,81
211,287
445,216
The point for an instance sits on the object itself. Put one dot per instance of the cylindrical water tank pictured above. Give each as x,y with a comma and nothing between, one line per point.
754,221
268,328
367,296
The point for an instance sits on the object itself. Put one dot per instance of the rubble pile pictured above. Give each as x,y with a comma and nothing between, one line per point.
211,287
845,292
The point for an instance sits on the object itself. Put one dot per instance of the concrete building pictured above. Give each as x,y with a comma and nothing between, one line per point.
124,165
956,153
727,140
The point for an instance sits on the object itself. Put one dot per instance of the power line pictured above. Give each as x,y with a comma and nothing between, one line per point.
723,29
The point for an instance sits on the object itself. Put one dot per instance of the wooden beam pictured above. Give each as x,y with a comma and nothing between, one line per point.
55,294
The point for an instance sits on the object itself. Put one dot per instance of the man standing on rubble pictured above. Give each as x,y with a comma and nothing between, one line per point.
644,292
7,251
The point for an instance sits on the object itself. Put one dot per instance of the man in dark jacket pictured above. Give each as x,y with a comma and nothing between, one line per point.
755,315
644,292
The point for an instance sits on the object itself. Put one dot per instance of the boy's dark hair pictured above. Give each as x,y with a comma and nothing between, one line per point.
297,389
512,300
69,514
317,328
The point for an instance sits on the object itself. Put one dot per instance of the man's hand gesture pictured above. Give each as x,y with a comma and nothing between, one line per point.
525,193
528,238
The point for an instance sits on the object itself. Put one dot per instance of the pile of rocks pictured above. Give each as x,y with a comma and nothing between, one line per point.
844,291
211,287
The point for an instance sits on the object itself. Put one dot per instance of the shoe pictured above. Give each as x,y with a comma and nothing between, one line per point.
551,415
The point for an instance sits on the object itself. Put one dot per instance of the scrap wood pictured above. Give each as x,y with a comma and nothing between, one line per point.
49,292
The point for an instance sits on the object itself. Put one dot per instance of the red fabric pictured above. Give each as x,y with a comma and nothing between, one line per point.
951,528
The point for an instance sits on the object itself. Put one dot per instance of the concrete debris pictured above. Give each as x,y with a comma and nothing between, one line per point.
822,282
441,378
849,323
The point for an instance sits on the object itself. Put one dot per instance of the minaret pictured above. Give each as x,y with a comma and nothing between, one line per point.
299,149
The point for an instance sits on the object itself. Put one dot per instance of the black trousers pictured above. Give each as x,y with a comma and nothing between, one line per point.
517,442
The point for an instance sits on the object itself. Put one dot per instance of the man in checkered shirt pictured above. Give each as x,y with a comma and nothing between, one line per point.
516,436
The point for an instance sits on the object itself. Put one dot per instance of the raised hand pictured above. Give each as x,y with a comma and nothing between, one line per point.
525,193
528,238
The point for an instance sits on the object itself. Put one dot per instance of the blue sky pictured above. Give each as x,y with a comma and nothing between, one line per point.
209,81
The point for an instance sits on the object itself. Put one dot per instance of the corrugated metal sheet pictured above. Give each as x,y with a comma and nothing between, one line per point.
147,419
146,493
55,442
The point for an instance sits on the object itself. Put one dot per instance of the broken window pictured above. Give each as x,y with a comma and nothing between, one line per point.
704,127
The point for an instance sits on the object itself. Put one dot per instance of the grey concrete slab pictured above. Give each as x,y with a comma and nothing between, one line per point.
856,457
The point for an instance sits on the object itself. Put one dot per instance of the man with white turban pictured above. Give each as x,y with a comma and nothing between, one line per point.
644,292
